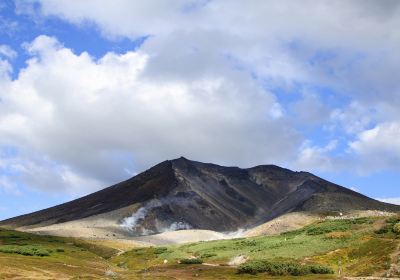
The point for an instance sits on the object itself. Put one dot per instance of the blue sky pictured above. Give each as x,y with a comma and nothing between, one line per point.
94,92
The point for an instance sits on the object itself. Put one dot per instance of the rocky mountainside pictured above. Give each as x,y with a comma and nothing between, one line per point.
181,194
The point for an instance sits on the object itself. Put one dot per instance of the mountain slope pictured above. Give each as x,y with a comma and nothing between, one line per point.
180,194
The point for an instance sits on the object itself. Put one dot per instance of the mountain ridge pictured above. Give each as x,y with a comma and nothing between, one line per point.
181,194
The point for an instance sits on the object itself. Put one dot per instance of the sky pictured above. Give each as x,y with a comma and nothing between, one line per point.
93,92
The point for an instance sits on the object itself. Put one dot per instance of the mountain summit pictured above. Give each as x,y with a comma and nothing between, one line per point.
181,194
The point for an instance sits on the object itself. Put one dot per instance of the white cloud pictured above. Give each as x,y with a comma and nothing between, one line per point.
310,110
33,171
393,200
80,122
8,186
7,51
189,89
5,69
352,119
8,26
379,147
276,40
325,21
117,18
317,158
350,46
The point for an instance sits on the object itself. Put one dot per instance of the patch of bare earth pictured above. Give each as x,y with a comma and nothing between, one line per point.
284,223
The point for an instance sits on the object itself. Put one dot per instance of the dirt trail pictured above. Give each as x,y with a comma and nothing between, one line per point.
210,264
395,262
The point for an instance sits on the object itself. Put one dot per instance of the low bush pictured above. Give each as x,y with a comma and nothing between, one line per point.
383,230
60,250
160,250
320,269
24,250
393,220
254,267
396,228
324,230
207,255
360,221
278,269
392,226
335,226
191,261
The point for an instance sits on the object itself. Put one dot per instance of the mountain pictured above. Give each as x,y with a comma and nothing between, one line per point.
181,194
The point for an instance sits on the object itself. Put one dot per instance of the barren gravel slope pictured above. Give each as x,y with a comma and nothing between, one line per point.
182,194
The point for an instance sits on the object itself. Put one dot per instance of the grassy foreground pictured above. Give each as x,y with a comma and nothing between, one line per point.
358,247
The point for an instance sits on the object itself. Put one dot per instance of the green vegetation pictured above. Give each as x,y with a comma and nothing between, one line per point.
371,256
160,250
102,251
383,230
207,255
390,227
313,252
281,268
191,261
335,226
25,250
393,220
326,228
26,256
298,244
396,228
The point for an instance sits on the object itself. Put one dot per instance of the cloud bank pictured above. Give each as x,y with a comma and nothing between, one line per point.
76,121
236,83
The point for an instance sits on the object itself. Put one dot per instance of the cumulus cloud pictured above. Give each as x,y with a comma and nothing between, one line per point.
80,122
313,157
283,41
324,20
350,46
352,118
379,147
201,85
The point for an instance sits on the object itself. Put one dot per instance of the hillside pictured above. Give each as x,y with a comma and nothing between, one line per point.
183,194
356,247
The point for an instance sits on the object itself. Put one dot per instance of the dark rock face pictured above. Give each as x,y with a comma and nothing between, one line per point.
187,194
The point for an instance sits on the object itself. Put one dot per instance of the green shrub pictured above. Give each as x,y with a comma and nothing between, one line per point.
328,227
360,221
278,269
320,269
160,250
60,250
253,267
207,255
24,250
393,220
42,253
335,226
396,228
191,261
383,230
